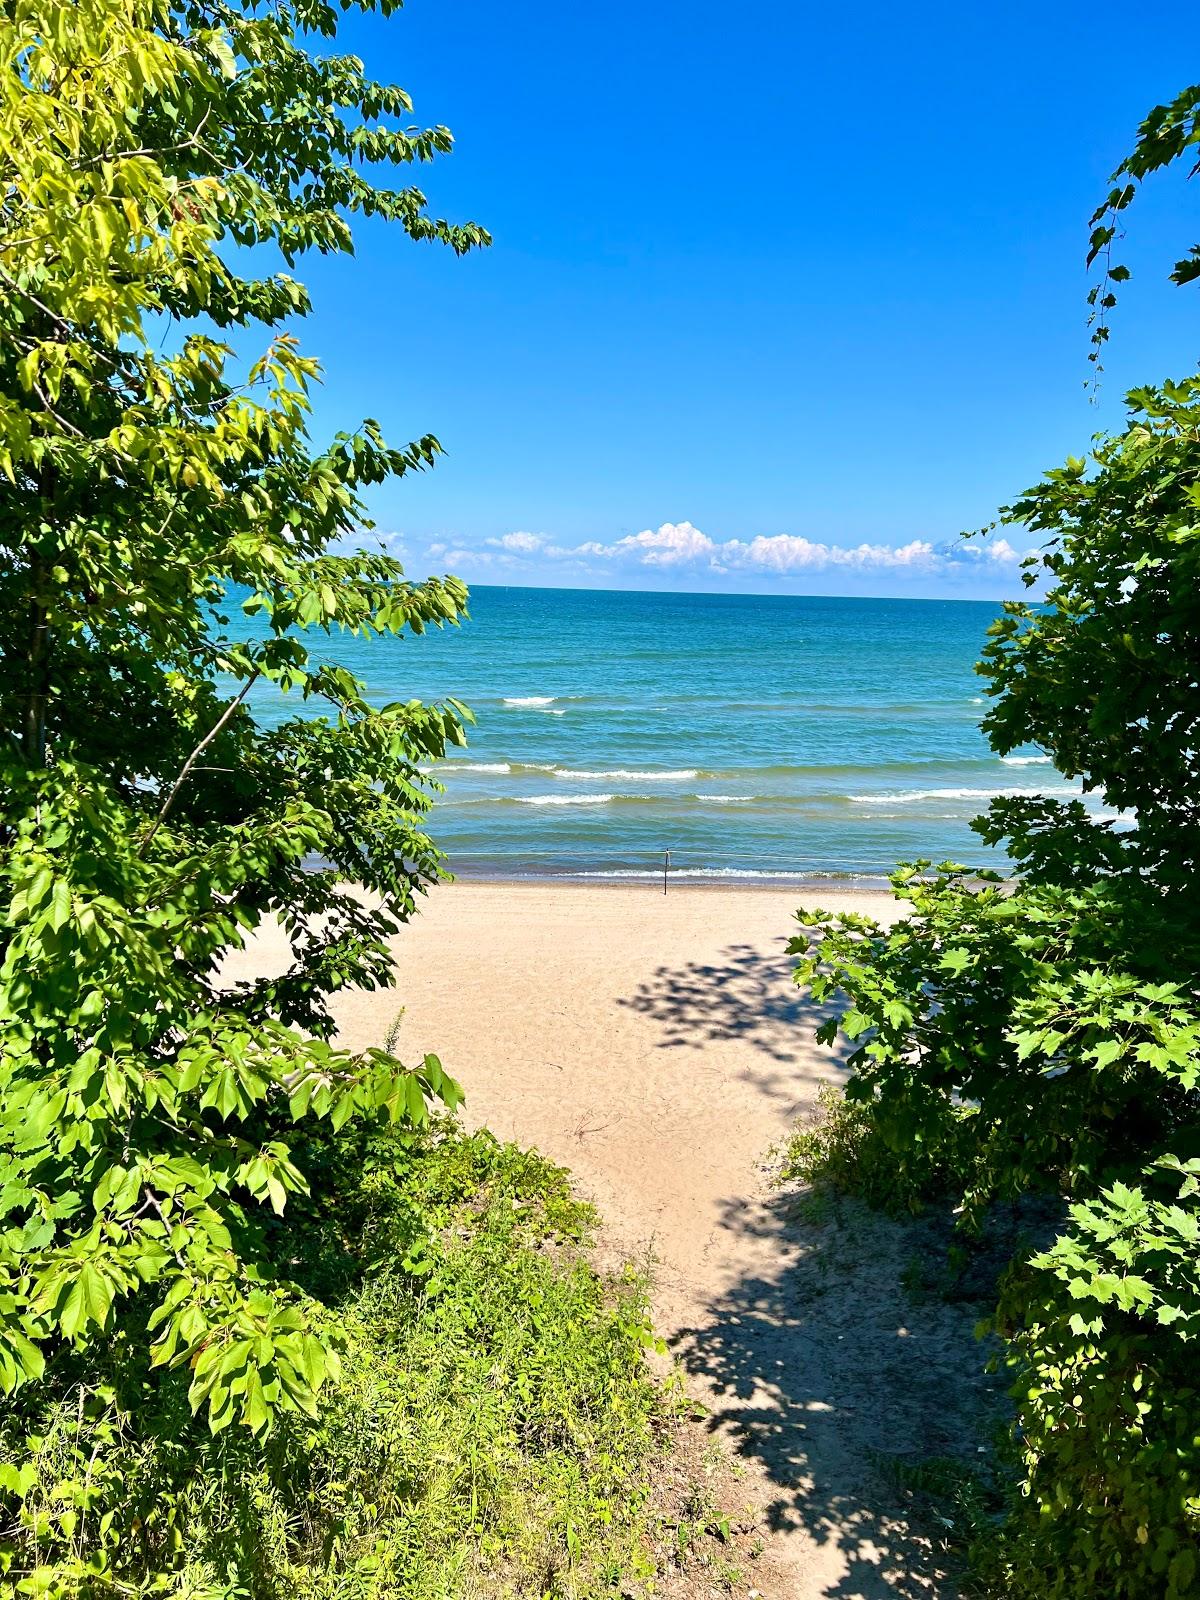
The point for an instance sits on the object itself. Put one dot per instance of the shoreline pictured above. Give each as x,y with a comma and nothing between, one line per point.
681,883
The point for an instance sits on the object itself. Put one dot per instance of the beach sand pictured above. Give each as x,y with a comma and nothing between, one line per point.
658,1047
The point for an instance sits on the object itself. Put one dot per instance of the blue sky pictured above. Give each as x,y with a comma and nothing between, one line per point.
782,296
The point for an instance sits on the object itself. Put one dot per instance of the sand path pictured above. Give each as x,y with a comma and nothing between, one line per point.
658,1047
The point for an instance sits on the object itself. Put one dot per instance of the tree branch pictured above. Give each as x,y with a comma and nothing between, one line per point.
195,756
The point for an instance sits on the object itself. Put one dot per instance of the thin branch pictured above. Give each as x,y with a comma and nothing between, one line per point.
50,411
192,142
195,756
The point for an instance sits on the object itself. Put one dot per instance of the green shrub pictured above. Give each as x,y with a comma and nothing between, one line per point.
841,1147
1080,1076
1103,1329
491,1430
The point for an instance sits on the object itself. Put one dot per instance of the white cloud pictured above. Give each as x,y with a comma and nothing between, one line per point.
387,539
993,552
674,544
523,543
384,540
682,546
784,552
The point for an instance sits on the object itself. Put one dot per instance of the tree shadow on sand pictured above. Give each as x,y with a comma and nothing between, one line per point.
826,1366
830,1376
746,994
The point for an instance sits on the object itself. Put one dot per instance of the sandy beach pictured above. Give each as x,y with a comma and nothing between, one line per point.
658,1047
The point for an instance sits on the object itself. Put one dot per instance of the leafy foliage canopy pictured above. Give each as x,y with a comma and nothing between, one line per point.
157,1115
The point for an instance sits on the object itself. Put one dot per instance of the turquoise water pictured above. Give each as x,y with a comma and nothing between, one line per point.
752,736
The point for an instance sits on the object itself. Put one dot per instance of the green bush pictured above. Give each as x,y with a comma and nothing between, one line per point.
842,1148
1006,1047
252,1343
1103,1329
491,1431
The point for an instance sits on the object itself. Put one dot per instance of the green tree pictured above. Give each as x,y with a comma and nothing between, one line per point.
156,1118
1043,1036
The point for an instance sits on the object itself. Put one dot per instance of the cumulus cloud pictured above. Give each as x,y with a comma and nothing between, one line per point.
991,553
682,546
675,544
784,552
523,543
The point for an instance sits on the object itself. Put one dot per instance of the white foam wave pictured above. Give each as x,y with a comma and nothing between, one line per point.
726,799
1025,761
475,766
546,713
905,796
530,700
564,799
629,774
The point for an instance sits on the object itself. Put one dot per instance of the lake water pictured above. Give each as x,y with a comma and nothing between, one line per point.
754,737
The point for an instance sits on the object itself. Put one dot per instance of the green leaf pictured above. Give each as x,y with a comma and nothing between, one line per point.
89,1300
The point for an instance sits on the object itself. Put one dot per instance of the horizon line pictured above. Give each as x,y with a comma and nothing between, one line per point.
745,594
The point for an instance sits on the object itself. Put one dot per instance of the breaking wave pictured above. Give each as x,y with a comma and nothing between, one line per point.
567,799
906,796
628,774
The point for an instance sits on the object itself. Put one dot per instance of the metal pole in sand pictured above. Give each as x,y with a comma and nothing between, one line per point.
666,868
